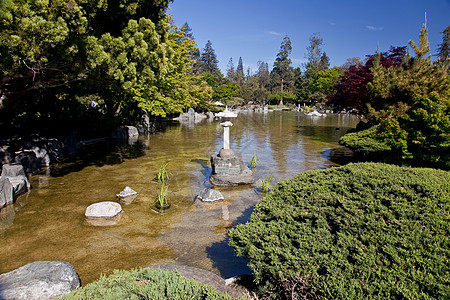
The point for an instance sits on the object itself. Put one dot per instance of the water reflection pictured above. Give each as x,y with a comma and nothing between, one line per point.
48,223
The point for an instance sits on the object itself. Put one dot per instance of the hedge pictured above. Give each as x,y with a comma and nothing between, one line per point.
146,283
363,230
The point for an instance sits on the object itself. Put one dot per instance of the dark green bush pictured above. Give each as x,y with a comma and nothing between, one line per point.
146,284
363,230
421,136
365,142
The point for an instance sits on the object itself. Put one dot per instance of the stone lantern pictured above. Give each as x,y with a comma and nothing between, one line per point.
226,115
227,167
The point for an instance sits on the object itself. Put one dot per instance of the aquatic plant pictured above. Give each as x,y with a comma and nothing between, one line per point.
265,184
162,196
162,175
254,162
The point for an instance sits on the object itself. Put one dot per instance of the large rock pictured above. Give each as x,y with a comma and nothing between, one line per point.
103,213
54,150
6,192
43,159
229,170
39,280
29,161
125,132
17,178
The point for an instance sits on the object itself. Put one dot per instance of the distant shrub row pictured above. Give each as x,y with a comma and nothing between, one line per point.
146,284
359,231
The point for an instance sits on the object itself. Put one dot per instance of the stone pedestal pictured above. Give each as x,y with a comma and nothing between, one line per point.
228,169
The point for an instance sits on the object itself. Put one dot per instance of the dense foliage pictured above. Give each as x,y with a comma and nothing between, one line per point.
146,284
58,56
421,136
359,231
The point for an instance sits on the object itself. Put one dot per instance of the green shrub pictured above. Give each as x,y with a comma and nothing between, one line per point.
421,136
363,230
365,142
145,284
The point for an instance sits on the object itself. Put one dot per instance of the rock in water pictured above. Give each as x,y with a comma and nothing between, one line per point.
103,213
209,195
127,191
127,195
39,280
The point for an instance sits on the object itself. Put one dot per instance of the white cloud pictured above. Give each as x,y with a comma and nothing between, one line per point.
273,33
370,27
331,23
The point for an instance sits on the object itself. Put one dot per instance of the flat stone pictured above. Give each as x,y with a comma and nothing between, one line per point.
39,280
103,213
210,195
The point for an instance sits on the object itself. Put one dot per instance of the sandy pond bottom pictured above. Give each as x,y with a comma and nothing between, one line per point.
48,222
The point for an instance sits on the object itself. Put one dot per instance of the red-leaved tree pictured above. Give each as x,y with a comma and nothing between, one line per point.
351,87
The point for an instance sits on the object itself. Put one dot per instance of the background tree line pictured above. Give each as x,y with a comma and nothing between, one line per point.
131,59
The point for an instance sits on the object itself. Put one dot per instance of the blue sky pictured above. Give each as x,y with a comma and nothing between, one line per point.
254,29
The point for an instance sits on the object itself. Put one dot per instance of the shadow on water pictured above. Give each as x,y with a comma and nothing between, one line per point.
108,152
224,257
322,133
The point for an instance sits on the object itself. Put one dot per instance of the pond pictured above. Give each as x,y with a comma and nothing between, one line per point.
48,222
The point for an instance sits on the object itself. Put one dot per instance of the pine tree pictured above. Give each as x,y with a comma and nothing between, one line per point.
424,47
282,73
230,69
208,58
263,74
444,48
315,55
239,76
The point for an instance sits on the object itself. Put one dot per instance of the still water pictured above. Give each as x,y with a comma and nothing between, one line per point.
48,222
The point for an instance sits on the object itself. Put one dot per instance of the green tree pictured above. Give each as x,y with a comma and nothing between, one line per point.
239,75
263,74
208,66
416,76
45,44
282,75
317,61
230,69
325,81
208,58
180,88
444,48
226,93
195,52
